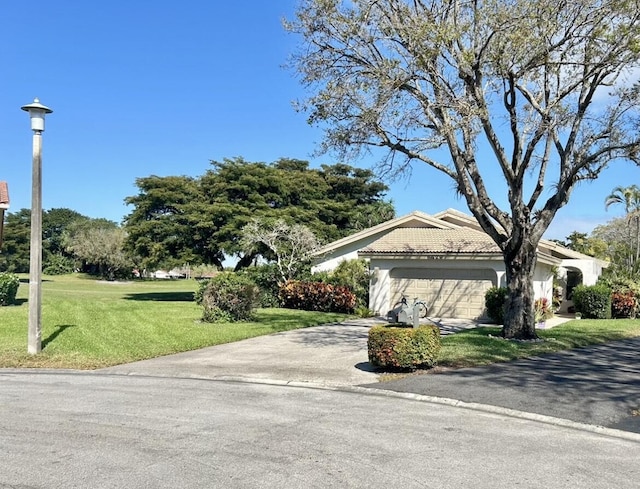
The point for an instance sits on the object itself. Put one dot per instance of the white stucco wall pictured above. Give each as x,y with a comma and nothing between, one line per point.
590,269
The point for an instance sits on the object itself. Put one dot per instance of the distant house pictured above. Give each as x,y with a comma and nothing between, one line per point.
4,205
448,261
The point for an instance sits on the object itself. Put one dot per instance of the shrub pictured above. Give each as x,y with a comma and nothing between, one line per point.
353,274
624,296
397,347
623,304
316,296
9,284
494,300
593,301
266,277
58,264
227,297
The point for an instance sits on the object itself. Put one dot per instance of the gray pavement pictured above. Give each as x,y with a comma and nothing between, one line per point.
598,385
82,430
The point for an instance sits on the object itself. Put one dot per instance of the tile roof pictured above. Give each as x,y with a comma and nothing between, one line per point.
432,240
4,195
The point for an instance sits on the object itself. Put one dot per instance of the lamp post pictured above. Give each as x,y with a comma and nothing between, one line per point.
37,112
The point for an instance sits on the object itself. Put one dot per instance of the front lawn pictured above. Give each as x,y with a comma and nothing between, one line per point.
482,346
88,324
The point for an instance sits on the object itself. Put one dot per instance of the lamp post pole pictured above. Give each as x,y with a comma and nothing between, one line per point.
37,112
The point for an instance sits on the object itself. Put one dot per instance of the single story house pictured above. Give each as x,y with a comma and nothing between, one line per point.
447,260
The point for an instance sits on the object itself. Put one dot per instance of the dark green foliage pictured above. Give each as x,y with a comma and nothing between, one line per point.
58,264
624,296
198,220
494,300
353,274
56,226
593,301
397,347
266,277
316,296
227,297
15,245
9,284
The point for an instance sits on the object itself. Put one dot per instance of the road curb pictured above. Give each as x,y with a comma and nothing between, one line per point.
474,406
369,391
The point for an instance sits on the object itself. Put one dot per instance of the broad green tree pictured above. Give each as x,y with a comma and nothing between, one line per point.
530,92
199,220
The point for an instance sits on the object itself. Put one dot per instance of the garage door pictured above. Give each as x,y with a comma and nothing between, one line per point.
454,293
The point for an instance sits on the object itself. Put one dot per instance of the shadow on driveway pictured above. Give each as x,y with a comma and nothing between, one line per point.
596,385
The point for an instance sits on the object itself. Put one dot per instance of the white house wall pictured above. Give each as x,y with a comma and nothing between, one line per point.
347,252
590,269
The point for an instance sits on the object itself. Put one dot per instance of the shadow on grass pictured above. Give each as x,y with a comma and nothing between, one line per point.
161,296
59,330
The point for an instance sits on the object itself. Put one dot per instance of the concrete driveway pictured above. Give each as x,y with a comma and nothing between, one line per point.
329,355
598,385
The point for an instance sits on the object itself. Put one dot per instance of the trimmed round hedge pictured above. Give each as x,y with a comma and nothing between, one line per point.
394,346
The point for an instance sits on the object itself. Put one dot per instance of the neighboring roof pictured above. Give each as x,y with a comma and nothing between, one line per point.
460,218
432,241
551,250
4,195
415,219
559,251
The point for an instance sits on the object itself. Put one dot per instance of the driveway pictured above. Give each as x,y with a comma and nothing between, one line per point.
598,385
330,355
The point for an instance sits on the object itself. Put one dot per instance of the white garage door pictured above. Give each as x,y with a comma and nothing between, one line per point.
454,293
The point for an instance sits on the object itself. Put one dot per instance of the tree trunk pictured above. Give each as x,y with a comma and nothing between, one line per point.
519,317
244,261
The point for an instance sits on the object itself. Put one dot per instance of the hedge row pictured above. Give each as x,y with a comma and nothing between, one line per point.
316,296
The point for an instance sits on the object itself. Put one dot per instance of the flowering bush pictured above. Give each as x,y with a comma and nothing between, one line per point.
542,309
316,296
623,304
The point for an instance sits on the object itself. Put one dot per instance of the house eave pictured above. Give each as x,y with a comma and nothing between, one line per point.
387,225
429,256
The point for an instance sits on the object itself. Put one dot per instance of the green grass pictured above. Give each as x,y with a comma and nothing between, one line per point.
88,324
483,346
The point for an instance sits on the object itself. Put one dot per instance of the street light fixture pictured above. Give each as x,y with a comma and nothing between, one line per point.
37,111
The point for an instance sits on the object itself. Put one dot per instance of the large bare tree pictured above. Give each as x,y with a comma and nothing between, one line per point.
533,92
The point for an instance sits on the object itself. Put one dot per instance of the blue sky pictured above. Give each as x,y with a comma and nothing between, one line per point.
142,88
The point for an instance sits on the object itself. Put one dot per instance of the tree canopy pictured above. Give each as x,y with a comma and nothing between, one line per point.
59,225
534,91
180,219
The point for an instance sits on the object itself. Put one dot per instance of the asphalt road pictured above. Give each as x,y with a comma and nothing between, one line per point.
598,385
97,430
